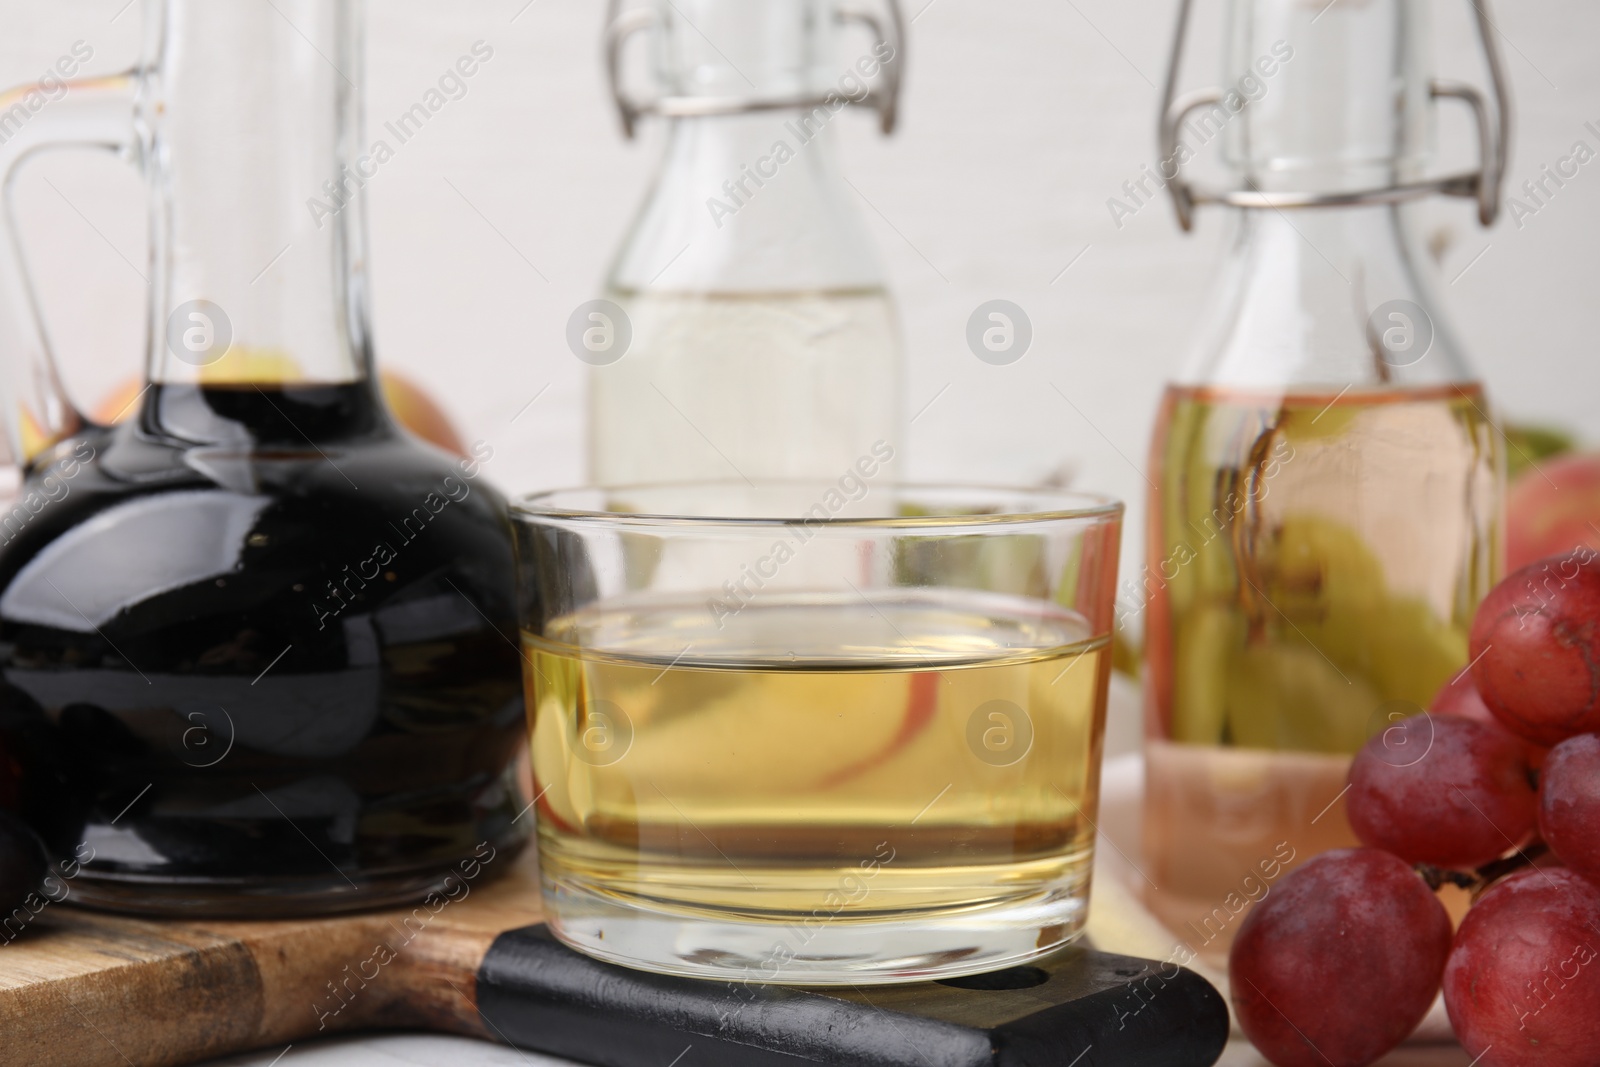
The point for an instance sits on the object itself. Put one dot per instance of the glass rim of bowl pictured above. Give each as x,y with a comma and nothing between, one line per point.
1052,505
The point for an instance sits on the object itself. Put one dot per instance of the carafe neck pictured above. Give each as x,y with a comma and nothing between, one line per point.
252,115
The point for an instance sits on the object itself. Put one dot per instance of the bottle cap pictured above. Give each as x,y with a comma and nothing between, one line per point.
1330,97
726,57
1329,104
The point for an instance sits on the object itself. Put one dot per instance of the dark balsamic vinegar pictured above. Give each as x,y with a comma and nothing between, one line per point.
271,638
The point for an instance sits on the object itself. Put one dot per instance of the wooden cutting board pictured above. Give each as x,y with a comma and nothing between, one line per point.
87,989
81,987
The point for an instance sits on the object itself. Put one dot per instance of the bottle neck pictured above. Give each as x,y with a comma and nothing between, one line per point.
1338,94
1330,298
254,136
750,203
1308,301
762,49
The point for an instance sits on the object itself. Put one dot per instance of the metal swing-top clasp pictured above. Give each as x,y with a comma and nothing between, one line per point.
1483,184
883,97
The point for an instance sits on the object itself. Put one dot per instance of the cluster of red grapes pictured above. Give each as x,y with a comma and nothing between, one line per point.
1496,789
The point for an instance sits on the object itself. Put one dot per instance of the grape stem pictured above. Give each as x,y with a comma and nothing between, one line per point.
1482,878
1437,877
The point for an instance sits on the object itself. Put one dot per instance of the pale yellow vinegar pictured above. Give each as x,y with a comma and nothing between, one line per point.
752,385
927,753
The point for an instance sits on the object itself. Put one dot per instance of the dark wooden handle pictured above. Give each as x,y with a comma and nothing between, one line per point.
1079,1007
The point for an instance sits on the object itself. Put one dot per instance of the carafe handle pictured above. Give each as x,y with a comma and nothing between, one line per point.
79,113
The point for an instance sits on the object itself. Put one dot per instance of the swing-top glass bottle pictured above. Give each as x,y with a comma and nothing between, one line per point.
760,338
1324,517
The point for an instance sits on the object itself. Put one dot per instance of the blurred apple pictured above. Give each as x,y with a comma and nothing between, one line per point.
1553,508
408,403
417,412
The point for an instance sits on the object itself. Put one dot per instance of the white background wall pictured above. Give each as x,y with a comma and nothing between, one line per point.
1021,118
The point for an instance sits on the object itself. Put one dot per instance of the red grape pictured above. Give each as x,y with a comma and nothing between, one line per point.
1535,646
1442,789
1339,963
1569,804
1523,985
1460,697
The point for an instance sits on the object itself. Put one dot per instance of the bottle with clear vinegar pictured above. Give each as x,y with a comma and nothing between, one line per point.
763,341
1326,471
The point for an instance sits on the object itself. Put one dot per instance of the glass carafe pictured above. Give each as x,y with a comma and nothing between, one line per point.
268,634
763,341
1327,475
